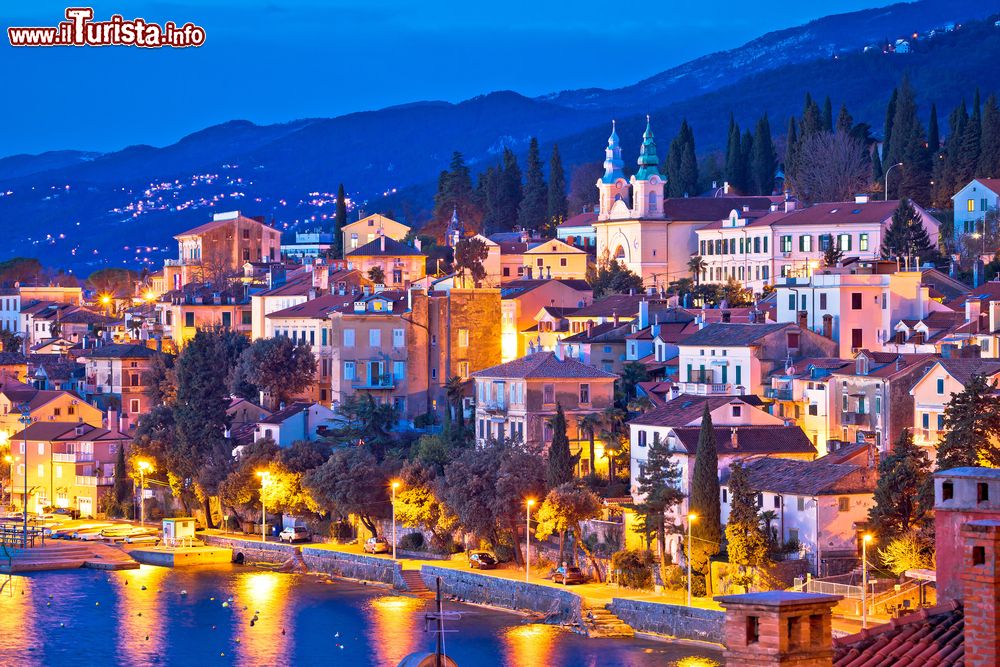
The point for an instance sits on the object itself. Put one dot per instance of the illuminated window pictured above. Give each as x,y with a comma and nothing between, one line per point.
970,206
463,338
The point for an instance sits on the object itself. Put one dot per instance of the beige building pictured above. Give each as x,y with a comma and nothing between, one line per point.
555,259
521,302
366,230
401,264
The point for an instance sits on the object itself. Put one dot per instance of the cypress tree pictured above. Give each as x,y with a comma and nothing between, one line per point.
890,116
909,146
557,189
534,205
561,461
689,161
339,220
746,162
764,160
901,504
123,486
745,539
933,132
845,123
704,502
791,148
488,193
877,173
969,153
674,186
906,236
827,117
734,156
989,143
659,484
972,425
812,121
510,190
455,193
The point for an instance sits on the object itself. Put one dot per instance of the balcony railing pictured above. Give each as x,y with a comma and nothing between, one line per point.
498,407
709,388
926,434
377,382
856,419
778,394
58,457
93,480
701,376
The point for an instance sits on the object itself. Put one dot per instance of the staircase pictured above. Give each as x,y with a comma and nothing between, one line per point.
66,556
415,584
600,622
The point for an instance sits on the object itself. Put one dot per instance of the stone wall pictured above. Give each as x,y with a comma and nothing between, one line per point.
559,606
325,561
671,620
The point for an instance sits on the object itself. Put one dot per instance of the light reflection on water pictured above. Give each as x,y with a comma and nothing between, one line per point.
106,618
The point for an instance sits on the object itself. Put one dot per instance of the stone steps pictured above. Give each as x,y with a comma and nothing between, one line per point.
600,622
65,557
415,584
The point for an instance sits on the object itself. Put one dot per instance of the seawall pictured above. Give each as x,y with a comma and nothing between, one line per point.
670,620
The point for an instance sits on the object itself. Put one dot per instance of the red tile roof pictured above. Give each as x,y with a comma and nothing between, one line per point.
683,410
931,637
807,478
384,246
776,439
544,365
208,226
710,208
318,308
580,220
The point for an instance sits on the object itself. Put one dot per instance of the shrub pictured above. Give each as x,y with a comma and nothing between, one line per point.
412,542
633,568
675,578
504,553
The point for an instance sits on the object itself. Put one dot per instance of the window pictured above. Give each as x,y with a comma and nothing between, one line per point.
855,300
354,241
375,337
348,337
970,205
813,410
793,534
398,370
940,385
548,393
463,338
41,448
856,338
979,555
58,471
189,319
348,370
863,242
56,412
806,243
737,409
982,492
756,244
777,502
753,629
800,503
878,405
398,339
463,369
725,495
822,301
844,242
562,260
642,438
947,491
925,420
227,320
791,301
133,406
843,504
940,421
786,243
584,393
793,340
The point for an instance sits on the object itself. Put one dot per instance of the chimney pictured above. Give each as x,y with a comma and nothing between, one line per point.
559,352
643,314
981,588
417,244
590,328
381,242
734,439
313,293
803,319
972,310
789,205
963,495
778,628
727,316
862,198
725,187
828,326
111,422
615,316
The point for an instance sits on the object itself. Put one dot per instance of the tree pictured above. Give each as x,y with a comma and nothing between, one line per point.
351,481
827,117
901,503
455,391
682,164
564,510
746,542
659,486
697,265
908,144
10,341
906,236
418,502
736,295
791,151
833,255
845,123
633,372
123,487
830,167
989,152
613,277
456,194
589,426
764,161
470,253
582,193
933,132
339,221
614,435
906,552
561,462
704,502
376,274
735,169
113,281
557,209
279,367
534,205
972,426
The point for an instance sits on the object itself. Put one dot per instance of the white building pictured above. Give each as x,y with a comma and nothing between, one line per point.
972,203
298,421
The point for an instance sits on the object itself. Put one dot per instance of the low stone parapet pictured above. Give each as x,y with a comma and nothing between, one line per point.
671,620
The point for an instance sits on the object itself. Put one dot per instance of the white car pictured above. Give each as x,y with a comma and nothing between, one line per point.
294,534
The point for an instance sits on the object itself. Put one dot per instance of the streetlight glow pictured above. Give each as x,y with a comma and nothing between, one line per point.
528,504
865,539
143,467
395,485
264,477
692,517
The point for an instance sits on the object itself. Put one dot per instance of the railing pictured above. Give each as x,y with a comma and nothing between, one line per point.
93,480
778,394
12,535
707,389
63,458
832,588
494,406
381,382
855,419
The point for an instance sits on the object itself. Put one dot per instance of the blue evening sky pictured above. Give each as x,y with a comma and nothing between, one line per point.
277,60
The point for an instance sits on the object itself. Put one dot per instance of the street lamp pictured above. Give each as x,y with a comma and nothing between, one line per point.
865,539
143,467
10,461
264,477
692,517
527,536
898,164
25,420
395,485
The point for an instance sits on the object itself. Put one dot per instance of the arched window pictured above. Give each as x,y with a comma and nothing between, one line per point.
354,241
652,201
620,253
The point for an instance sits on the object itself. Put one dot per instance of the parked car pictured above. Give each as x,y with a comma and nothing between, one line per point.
377,545
482,560
569,575
294,534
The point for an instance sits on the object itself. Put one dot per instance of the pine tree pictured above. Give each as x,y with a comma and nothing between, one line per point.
746,158
561,461
456,194
968,160
557,189
909,146
791,149
972,426
812,121
989,152
845,123
906,236
901,504
510,191
689,162
827,117
933,132
764,160
734,155
659,484
534,205
890,117
833,254
339,221
746,542
707,529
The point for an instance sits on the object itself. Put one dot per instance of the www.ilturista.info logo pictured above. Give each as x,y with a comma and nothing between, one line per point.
79,29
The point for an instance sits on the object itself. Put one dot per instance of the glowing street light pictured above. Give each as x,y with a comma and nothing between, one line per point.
395,485
10,461
692,517
265,476
865,539
527,536
143,467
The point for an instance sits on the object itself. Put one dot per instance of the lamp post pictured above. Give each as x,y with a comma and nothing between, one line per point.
898,164
143,467
264,476
866,538
692,517
25,420
10,461
527,536
395,485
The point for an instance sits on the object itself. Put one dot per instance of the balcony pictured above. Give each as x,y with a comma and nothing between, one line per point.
376,382
494,407
93,480
63,458
926,435
778,394
710,389
855,419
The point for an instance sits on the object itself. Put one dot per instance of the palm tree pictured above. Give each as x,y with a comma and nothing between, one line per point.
613,433
696,265
769,517
632,374
455,391
589,425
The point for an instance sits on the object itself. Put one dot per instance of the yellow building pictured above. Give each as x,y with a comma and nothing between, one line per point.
555,259
401,264
366,230
45,405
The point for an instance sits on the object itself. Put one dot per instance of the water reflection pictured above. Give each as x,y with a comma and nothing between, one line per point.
396,627
530,644
140,630
261,624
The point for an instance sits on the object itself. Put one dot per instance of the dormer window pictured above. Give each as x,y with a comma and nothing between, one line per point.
861,365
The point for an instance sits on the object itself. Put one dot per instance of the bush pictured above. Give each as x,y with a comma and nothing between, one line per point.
698,588
633,568
675,578
504,553
412,542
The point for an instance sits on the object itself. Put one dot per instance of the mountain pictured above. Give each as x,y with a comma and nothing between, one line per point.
124,206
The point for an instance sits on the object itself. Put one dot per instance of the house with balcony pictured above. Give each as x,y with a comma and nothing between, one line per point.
44,405
119,372
67,465
181,313
578,230
870,400
732,359
401,264
518,399
933,391
800,392
555,259
822,507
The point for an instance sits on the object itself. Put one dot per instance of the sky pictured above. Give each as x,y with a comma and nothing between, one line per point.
270,61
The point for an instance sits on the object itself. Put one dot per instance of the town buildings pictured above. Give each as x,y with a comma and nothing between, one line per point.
120,372
400,264
367,229
976,200
933,391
